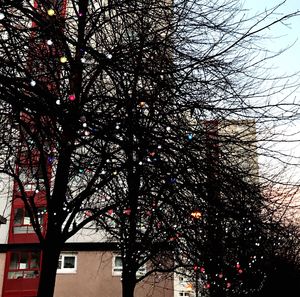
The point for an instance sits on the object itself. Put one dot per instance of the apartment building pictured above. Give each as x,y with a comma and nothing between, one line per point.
88,265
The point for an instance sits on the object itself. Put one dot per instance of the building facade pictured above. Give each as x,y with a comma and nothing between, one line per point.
87,266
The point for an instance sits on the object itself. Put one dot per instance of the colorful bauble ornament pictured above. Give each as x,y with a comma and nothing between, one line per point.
51,12
72,97
63,59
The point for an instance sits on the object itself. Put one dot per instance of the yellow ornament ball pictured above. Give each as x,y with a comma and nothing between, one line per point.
51,12
63,59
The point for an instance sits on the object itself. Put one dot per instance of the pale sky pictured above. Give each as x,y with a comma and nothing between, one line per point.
287,63
287,34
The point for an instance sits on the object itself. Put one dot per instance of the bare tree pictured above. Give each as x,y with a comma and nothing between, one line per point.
111,110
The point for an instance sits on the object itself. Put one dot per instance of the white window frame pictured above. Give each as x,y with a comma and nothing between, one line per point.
117,270
185,294
142,270
62,257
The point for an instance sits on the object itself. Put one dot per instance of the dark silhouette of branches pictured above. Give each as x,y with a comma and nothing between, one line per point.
139,118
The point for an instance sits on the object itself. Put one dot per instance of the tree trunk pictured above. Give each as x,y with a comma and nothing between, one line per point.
50,256
128,285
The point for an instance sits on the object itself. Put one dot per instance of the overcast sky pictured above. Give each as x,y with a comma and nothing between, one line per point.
287,63
287,34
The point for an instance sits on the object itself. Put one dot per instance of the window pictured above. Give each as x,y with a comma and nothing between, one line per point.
67,263
117,267
24,265
22,223
184,294
142,270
